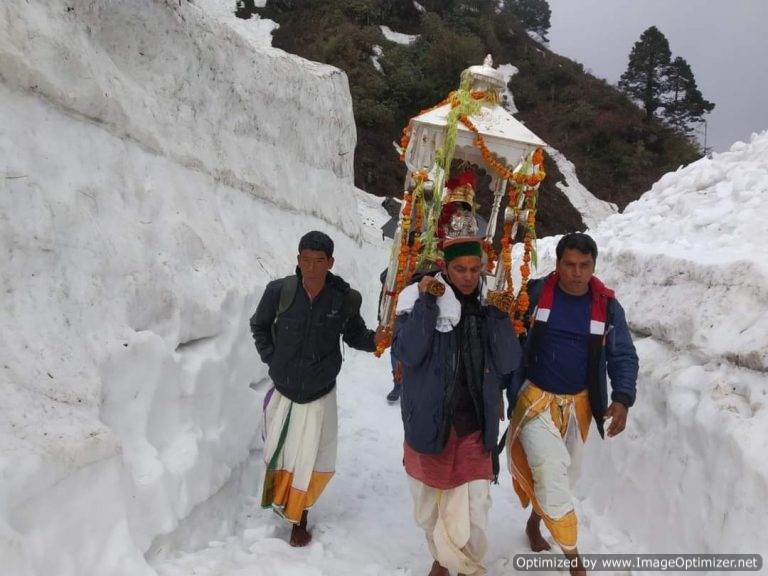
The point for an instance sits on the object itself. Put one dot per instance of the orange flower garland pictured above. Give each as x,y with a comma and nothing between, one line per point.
402,270
529,184
408,256
525,181
491,256
402,258
414,254
405,137
487,155
523,301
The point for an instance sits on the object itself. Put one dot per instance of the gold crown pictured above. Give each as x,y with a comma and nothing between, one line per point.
464,193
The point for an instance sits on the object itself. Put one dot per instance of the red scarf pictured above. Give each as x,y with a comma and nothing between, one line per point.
599,309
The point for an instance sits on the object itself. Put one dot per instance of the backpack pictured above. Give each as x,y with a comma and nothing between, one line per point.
347,303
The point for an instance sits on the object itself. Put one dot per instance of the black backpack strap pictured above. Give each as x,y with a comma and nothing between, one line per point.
288,290
351,303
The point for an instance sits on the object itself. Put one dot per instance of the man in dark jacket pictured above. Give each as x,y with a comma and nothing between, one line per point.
454,350
577,333
296,329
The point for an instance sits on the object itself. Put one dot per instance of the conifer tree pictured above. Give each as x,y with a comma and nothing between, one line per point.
647,75
533,14
684,105
245,9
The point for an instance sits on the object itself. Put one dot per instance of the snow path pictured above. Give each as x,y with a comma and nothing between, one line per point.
363,522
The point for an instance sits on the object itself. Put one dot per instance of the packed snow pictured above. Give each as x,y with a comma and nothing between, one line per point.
592,209
363,522
257,30
378,52
536,37
158,163
398,37
508,101
156,170
689,262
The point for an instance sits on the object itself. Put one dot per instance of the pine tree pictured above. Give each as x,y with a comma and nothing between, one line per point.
646,78
245,9
684,106
533,14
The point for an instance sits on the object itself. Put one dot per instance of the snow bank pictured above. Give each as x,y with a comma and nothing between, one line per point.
689,262
158,164
508,100
378,52
698,239
398,37
186,84
592,209
535,36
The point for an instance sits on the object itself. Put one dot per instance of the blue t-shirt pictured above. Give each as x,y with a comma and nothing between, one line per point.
560,364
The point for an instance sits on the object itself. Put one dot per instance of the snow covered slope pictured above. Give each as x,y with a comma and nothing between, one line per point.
158,163
689,262
593,210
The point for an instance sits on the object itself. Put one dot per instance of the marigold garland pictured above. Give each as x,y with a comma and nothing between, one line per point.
528,178
414,252
530,191
408,255
490,96
491,256
525,180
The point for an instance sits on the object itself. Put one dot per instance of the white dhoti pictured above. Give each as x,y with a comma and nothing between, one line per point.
299,452
544,452
455,522
555,462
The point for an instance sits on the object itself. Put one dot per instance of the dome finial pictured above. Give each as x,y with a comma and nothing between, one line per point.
485,75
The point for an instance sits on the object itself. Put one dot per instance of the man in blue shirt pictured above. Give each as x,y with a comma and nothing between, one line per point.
577,333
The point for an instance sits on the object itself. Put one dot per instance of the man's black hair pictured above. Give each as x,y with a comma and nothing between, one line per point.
317,241
577,241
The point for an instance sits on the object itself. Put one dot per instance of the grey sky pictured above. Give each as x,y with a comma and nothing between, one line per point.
724,41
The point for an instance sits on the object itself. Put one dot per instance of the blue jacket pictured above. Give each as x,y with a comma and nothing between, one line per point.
618,360
427,357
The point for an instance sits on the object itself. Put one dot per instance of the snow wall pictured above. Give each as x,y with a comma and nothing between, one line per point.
158,163
689,263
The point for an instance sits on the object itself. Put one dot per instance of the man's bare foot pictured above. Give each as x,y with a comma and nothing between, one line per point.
579,569
438,570
533,531
300,536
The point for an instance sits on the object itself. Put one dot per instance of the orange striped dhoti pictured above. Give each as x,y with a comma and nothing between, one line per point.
299,453
539,457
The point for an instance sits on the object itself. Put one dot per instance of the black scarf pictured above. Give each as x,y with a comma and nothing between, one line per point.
470,334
